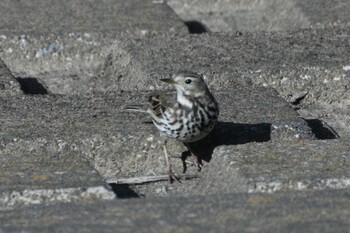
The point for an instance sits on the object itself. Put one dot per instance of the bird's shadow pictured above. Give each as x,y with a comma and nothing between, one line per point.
228,133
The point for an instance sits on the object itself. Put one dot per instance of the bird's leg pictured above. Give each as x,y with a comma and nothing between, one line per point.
171,174
183,159
196,160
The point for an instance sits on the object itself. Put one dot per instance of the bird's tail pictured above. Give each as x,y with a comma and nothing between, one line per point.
135,108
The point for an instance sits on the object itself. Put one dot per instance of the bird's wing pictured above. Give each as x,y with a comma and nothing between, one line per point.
159,103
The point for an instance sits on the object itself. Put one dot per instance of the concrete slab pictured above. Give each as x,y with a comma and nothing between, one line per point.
265,167
8,83
314,211
311,61
120,143
230,60
67,42
265,15
35,168
42,171
325,14
137,16
272,167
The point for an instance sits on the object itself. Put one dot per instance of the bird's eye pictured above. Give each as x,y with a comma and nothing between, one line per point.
188,81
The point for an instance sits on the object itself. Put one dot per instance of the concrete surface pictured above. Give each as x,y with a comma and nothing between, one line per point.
8,83
121,143
42,171
140,17
264,167
315,211
313,61
76,39
280,70
263,15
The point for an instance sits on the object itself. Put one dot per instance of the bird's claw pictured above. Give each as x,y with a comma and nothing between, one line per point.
195,161
198,164
172,177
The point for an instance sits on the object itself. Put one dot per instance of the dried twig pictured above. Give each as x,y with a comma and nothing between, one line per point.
147,179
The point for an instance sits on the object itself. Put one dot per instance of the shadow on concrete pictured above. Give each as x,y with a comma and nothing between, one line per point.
32,86
321,129
124,191
195,27
228,133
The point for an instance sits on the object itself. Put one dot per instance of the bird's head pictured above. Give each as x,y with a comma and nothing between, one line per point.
188,83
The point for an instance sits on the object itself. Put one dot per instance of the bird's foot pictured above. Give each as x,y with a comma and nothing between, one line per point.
194,161
197,162
172,177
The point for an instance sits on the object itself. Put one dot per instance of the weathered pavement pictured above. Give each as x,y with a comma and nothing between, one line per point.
277,161
314,211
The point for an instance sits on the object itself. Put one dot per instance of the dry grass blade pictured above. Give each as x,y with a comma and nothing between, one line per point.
147,179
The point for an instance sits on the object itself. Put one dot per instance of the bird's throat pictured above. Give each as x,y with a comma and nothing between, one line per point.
184,100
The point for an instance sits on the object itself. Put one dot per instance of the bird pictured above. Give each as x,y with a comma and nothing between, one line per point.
187,118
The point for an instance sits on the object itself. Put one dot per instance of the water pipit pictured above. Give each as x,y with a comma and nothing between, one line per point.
189,118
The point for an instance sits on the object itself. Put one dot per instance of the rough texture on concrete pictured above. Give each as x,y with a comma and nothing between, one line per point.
137,16
76,64
271,167
34,168
313,61
265,167
67,49
325,211
42,171
121,143
229,59
263,15
42,164
8,83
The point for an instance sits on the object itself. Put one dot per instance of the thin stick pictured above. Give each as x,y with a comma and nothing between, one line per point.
147,179
167,157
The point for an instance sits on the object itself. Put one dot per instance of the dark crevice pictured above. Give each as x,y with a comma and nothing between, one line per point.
31,85
321,129
195,27
124,191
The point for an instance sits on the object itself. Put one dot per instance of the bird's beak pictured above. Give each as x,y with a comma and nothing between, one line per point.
168,80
